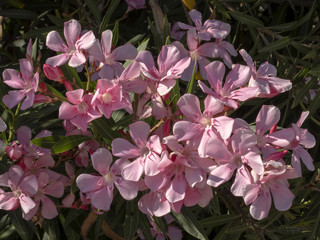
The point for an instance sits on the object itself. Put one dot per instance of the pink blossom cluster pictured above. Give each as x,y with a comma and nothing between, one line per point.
184,159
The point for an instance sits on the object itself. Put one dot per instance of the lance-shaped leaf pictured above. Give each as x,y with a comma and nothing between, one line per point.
68,143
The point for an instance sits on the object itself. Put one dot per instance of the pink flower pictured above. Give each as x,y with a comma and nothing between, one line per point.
72,52
99,189
108,58
273,182
265,78
48,207
145,152
109,97
210,29
197,53
14,151
295,139
233,89
22,187
25,81
82,112
171,63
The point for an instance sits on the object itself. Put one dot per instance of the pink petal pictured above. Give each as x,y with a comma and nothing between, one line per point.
127,189
267,117
196,17
189,105
55,189
55,42
305,157
26,69
58,60
45,161
165,86
88,182
212,106
102,198
24,135
193,176
220,175
101,160
192,40
177,189
282,196
125,52
77,59
28,101
86,41
13,98
139,132
72,31
12,79
151,164
243,178
185,130
237,77
250,192
67,111
26,203
106,42
15,174
123,148
49,209
133,171
260,208
29,184
215,72
168,57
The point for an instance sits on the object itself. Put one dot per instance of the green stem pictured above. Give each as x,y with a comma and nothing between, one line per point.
14,121
88,76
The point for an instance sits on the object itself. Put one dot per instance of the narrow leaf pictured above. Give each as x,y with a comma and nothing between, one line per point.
46,142
145,226
21,225
217,220
94,9
104,128
303,91
40,33
192,82
18,13
190,223
314,105
105,21
315,71
97,227
132,220
161,224
68,143
52,228
276,45
115,34
247,19
175,95
71,74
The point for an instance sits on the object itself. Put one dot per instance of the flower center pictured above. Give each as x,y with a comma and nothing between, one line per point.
108,178
106,97
82,107
205,121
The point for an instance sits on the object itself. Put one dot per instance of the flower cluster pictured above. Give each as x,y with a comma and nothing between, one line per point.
176,162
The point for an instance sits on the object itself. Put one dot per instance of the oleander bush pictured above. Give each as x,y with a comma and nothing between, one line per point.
159,119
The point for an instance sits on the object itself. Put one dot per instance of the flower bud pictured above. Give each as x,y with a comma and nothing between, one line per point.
52,73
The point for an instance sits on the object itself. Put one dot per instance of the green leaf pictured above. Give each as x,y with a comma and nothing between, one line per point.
145,226
68,143
190,223
294,24
18,13
131,223
157,38
22,226
40,33
276,45
217,220
237,229
71,74
175,95
52,229
55,20
303,91
97,226
247,19
94,9
55,92
6,232
46,142
115,34
105,21
161,224
192,82
314,105
315,71
104,128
